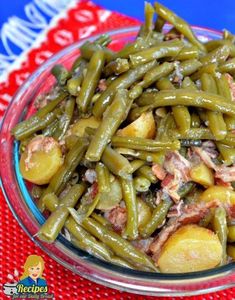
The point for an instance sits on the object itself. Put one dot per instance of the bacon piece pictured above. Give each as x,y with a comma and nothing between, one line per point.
205,157
117,217
231,85
219,181
142,245
176,210
102,85
226,174
191,214
158,171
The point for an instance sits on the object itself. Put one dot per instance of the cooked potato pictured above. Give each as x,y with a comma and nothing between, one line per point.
231,233
223,194
144,212
79,127
191,248
41,160
202,174
143,127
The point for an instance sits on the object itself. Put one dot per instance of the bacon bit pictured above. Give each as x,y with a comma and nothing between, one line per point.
94,190
226,174
205,157
191,214
39,143
158,171
176,210
173,36
219,181
142,245
102,85
231,85
117,217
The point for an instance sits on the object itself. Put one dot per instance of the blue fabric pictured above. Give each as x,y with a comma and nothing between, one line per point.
214,14
28,281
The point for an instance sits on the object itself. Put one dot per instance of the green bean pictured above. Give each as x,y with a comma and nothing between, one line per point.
188,53
179,24
195,120
135,92
146,29
103,40
136,164
132,48
141,184
36,191
209,68
137,143
190,66
103,178
204,222
189,84
164,49
116,163
188,98
61,74
165,84
227,35
227,152
194,134
53,225
51,128
220,227
228,66
215,119
87,206
185,188
117,66
157,219
117,244
65,119
218,55
122,82
156,73
74,84
88,49
213,44
157,157
229,140
51,201
165,124
39,120
129,196
114,115
65,172
88,243
182,118
146,172
100,219
159,24
79,60
90,81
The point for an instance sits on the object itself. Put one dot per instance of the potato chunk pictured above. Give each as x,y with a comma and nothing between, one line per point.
143,127
79,127
221,193
191,248
144,212
41,160
202,174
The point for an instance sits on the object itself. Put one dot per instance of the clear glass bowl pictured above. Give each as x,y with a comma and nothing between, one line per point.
29,217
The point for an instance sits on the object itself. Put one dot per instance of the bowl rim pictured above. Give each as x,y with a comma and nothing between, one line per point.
117,269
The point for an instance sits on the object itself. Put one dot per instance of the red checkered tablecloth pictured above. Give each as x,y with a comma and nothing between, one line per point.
81,20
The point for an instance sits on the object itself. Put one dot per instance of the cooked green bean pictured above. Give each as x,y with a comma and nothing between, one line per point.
215,119
116,163
182,118
65,119
146,29
195,120
62,176
211,45
103,178
141,184
157,219
117,66
114,115
117,244
87,206
136,164
51,128
144,144
189,84
74,83
228,66
122,82
220,227
39,120
188,67
218,55
53,225
188,53
61,74
164,49
100,219
189,98
51,201
158,26
157,157
165,84
146,171
227,152
88,49
129,197
185,188
193,134
209,68
179,24
90,81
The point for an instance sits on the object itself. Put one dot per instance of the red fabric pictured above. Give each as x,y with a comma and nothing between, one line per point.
15,245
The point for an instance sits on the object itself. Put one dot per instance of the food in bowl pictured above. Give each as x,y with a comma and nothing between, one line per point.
132,151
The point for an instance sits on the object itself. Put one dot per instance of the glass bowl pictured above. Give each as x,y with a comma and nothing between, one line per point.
29,217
